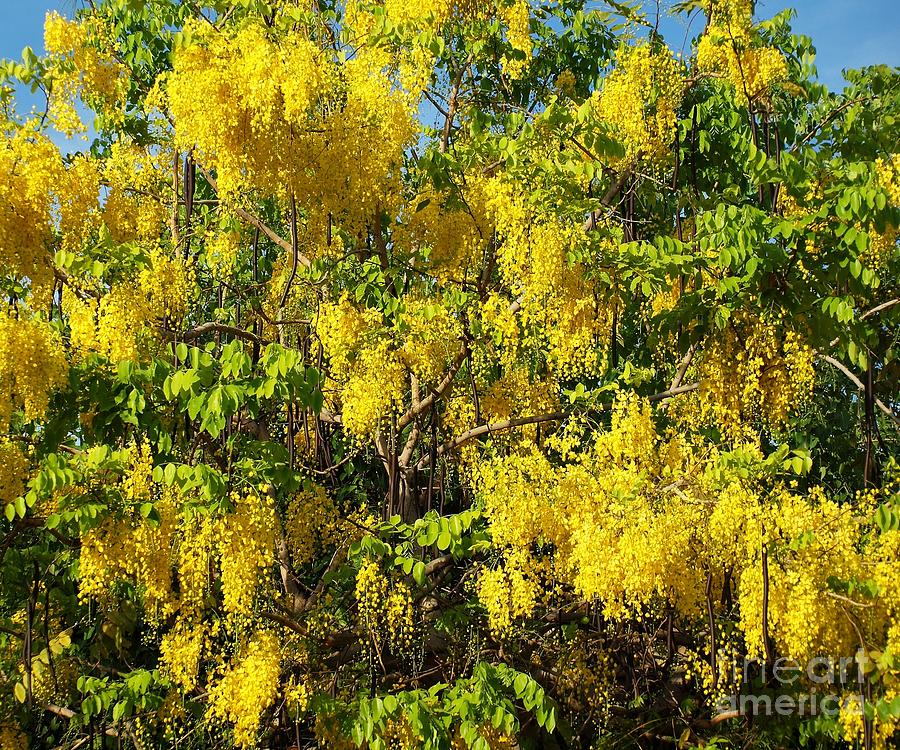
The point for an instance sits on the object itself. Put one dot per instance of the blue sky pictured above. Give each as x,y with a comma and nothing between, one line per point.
847,33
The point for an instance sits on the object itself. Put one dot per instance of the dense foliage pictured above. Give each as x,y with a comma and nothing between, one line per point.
446,374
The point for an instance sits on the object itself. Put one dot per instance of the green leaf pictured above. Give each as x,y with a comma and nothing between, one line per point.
418,573
520,684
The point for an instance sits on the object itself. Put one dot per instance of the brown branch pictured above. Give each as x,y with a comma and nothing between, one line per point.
68,713
451,106
880,308
859,384
213,327
682,368
173,216
487,429
66,279
869,313
710,613
434,103
439,563
255,221
435,394
767,637
295,252
816,128
410,445
285,621
295,598
607,199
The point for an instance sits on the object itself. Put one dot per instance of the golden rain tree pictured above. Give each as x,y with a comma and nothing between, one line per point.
446,374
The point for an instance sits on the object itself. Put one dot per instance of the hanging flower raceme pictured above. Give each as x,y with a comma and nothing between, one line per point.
32,366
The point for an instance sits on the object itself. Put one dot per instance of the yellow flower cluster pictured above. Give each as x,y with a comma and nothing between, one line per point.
131,548
566,82
516,17
398,735
562,312
881,247
586,674
222,249
640,100
516,394
851,715
670,517
30,166
888,174
415,23
12,738
247,688
32,366
372,364
53,686
166,283
115,326
82,67
511,590
416,69
803,620
453,238
492,738
398,617
136,178
296,696
373,390
246,546
312,524
598,502
417,13
13,471
282,116
727,47
733,15
181,650
137,480
752,371
119,325
430,337
371,592
329,733
194,555
365,367
78,198
128,546
384,608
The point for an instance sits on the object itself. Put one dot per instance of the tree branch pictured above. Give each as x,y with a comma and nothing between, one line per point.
880,308
607,199
859,384
213,327
255,220
441,388
487,429
295,253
